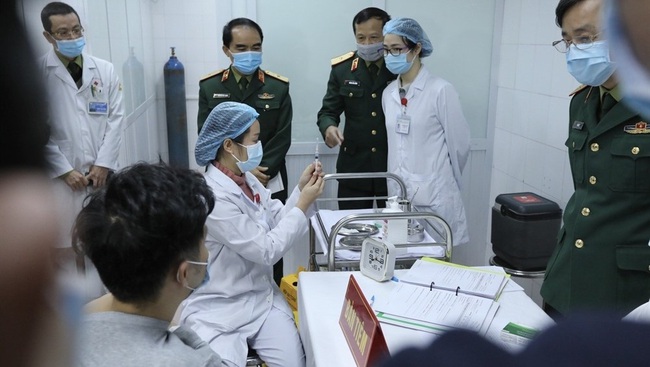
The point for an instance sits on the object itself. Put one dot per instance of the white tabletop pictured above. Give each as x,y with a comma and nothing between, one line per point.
320,299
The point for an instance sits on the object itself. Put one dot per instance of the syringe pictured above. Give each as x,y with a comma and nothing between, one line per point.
316,160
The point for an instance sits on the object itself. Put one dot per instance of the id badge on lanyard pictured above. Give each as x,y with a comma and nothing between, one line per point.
403,125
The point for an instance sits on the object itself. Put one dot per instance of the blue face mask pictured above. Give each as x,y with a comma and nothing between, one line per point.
71,48
398,64
255,154
247,62
591,66
634,78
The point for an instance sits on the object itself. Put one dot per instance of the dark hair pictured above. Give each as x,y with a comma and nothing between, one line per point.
409,44
227,29
55,8
141,225
562,7
239,139
367,14
23,137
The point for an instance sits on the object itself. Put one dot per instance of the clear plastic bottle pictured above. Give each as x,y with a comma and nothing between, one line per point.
394,230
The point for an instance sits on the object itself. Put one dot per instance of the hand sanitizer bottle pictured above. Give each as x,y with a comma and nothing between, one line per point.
394,230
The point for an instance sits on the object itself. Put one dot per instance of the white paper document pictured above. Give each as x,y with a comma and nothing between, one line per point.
435,274
435,310
275,184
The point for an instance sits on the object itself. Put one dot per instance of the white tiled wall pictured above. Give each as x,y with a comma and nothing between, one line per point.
532,108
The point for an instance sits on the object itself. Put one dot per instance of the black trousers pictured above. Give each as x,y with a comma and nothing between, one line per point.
377,188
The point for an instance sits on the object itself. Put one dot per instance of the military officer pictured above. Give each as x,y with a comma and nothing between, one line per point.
265,91
602,260
355,86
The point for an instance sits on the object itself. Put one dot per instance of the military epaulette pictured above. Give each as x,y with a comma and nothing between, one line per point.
577,90
208,76
340,59
277,76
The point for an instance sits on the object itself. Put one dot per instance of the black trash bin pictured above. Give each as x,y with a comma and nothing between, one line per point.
524,229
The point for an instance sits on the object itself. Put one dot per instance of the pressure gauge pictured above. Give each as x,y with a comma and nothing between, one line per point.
377,259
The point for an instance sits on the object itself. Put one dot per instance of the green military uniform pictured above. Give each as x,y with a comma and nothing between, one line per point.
602,260
268,94
352,90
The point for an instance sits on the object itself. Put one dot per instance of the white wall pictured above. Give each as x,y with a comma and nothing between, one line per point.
515,92
113,28
532,115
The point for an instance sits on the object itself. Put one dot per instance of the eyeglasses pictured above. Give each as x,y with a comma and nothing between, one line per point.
581,43
395,51
76,32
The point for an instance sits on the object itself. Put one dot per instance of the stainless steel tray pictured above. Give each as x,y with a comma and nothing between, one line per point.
358,230
352,243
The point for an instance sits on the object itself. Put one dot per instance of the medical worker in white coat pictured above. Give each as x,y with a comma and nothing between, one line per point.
85,115
240,305
428,137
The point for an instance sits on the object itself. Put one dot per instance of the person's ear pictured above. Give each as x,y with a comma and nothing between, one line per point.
418,48
229,146
226,51
49,38
181,273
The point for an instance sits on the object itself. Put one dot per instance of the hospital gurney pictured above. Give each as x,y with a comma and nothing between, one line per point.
331,256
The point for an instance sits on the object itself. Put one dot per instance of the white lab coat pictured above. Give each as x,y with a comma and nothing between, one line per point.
431,157
245,239
79,139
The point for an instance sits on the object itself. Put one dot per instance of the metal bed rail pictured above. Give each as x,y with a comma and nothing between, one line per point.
428,216
356,175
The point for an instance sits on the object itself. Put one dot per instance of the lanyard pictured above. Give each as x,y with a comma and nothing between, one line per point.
402,99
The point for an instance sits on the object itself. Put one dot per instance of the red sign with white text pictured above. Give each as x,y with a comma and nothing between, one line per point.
361,328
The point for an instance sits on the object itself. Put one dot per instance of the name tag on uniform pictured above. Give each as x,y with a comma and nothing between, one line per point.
356,83
221,95
98,108
403,124
578,125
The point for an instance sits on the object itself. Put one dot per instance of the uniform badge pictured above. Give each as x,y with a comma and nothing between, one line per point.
225,75
221,95
260,75
578,125
356,83
638,128
266,96
355,64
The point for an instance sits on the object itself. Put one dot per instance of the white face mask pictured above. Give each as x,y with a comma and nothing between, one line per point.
634,78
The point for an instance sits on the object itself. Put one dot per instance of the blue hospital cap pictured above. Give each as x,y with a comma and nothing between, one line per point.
409,28
226,121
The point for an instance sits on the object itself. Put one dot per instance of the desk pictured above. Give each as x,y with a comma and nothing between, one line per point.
320,298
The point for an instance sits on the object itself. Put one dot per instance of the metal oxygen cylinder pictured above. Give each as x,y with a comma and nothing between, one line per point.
176,111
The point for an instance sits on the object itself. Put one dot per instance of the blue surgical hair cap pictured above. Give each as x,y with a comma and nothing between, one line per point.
409,28
226,121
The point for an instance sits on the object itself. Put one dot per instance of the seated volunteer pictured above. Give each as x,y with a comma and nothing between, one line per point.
241,306
145,233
